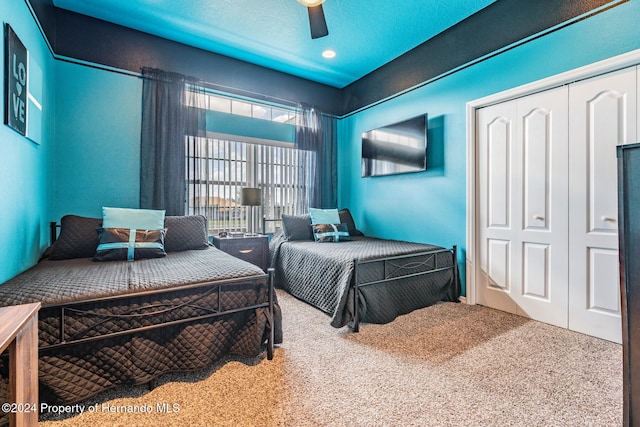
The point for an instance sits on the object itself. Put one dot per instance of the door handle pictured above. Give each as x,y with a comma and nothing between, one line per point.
538,217
607,219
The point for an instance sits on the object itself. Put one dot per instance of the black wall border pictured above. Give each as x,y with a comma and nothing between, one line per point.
501,26
496,28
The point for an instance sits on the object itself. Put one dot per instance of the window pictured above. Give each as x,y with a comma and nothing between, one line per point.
239,107
218,169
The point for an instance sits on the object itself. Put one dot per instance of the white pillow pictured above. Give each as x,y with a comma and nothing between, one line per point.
324,216
138,219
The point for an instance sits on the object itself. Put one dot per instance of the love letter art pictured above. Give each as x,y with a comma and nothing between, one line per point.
16,67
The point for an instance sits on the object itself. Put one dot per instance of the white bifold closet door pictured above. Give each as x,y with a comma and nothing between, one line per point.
523,205
547,197
602,115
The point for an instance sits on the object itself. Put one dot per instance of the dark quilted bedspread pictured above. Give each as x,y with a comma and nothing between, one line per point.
321,274
53,282
74,373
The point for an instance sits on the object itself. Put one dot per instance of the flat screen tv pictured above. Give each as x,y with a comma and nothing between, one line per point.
397,148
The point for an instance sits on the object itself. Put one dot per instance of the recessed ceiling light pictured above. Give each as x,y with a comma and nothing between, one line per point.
329,53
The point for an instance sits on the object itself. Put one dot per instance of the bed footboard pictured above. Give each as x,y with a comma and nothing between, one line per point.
395,271
103,318
88,346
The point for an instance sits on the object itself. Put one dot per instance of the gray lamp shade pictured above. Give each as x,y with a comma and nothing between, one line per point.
250,197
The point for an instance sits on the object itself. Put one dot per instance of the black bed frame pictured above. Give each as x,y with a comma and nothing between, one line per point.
390,275
356,285
216,286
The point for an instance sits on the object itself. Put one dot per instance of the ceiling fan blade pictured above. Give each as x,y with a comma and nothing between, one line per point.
317,23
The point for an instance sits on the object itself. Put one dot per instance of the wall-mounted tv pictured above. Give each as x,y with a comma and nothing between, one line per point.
397,148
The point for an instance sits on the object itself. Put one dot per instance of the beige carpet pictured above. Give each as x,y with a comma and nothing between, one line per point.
447,365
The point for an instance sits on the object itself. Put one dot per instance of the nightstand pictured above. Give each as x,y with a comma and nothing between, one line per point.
254,249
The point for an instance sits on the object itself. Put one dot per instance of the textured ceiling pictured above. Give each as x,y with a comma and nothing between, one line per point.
365,34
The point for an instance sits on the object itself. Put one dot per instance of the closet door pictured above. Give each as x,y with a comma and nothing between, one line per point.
496,135
602,115
542,180
523,206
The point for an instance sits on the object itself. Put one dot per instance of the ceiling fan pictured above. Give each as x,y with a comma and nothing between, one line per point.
317,23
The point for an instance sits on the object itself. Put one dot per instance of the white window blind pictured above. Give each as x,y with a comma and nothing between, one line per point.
217,170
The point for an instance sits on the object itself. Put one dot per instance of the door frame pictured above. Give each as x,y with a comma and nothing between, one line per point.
472,260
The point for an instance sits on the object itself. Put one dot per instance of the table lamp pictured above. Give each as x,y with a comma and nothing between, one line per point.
251,197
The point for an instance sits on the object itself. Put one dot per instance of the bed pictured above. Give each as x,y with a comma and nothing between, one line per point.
389,277
119,322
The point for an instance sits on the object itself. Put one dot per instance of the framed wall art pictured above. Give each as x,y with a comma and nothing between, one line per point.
15,77
24,82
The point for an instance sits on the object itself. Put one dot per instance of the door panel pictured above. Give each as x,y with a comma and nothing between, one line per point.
603,294
543,182
536,146
496,132
499,142
606,122
536,271
498,262
602,115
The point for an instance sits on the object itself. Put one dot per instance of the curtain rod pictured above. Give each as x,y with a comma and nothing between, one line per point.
227,90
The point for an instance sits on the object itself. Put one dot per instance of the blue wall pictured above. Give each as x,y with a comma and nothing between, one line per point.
97,158
25,167
431,206
90,158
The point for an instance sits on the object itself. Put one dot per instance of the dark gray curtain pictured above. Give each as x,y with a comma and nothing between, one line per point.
196,150
166,120
329,162
317,133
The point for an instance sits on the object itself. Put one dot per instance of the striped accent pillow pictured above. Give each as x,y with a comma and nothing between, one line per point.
331,232
129,244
